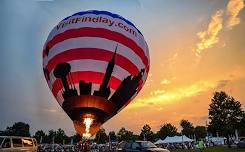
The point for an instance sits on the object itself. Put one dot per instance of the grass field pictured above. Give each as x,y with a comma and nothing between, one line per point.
214,149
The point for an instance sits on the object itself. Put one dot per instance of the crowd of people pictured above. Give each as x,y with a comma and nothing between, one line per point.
201,145
79,147
86,147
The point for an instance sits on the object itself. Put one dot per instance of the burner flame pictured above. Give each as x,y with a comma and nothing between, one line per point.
87,122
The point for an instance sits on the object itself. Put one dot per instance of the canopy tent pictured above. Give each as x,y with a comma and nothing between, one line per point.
159,141
175,139
217,140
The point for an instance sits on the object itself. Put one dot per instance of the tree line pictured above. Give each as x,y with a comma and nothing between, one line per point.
146,133
59,136
225,116
53,136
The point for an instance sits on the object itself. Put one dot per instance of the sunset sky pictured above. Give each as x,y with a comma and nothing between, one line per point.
196,48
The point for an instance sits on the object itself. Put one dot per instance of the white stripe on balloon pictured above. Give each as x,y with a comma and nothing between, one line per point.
94,42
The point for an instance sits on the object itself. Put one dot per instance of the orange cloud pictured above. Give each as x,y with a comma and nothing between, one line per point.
156,92
233,9
161,97
165,81
210,37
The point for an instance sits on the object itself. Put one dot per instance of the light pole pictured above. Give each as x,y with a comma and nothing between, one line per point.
110,142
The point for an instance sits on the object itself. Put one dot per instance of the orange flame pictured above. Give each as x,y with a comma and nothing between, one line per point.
87,122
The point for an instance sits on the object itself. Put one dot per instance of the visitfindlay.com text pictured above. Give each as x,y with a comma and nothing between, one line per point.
98,19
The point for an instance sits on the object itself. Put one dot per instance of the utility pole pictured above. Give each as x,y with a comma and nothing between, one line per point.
110,148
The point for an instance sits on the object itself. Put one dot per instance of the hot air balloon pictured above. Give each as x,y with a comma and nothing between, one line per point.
95,63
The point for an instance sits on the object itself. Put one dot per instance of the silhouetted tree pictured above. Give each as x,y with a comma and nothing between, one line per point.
146,133
51,136
225,114
241,127
2,133
187,128
200,132
76,138
135,137
113,135
167,130
18,129
101,137
125,135
61,137
40,134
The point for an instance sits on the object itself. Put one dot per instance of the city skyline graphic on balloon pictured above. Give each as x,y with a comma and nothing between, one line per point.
95,63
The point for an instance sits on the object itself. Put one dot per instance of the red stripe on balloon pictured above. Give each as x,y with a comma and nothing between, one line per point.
87,76
103,33
95,54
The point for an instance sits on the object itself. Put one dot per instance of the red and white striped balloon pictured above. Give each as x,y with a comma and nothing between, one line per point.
95,53
87,41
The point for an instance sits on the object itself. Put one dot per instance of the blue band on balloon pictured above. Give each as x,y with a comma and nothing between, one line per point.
106,13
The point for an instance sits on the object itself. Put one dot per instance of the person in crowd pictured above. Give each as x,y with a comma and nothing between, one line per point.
201,145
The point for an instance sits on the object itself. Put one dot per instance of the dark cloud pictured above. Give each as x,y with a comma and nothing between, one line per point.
222,83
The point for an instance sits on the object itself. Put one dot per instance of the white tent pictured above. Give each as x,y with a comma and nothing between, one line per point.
217,140
175,139
169,139
159,141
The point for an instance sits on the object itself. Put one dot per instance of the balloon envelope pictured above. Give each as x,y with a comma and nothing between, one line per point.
95,63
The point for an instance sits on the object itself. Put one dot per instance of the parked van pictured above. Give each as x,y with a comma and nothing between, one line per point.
16,144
